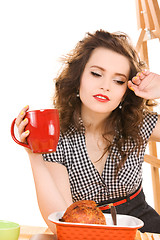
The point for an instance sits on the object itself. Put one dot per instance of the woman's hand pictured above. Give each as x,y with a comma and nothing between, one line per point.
21,123
146,85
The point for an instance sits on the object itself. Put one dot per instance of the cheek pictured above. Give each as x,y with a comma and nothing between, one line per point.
120,94
85,85
82,89
82,92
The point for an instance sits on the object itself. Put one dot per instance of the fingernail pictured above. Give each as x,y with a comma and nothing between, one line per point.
26,106
132,89
26,132
22,112
145,71
135,77
25,120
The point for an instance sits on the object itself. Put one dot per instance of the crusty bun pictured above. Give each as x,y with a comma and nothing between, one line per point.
84,211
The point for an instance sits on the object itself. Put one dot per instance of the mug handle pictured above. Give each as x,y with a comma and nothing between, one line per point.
15,139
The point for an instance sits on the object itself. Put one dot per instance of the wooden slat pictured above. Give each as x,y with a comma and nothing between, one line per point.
153,5
154,161
149,24
140,40
155,177
156,188
140,19
26,232
144,52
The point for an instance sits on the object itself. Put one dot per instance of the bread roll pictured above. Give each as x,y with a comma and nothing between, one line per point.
84,211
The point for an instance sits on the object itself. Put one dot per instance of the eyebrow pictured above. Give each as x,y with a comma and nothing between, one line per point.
101,68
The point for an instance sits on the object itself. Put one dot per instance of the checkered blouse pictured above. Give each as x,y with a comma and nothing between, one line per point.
85,180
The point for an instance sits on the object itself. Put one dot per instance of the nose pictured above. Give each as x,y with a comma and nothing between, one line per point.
106,84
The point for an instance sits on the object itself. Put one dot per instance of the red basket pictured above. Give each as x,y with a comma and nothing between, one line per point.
125,229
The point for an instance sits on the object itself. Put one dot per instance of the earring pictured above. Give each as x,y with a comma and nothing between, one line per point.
120,105
77,94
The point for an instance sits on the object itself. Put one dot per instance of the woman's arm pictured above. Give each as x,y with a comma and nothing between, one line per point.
51,179
52,187
147,85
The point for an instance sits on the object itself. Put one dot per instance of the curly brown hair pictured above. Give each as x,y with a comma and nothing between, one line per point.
126,120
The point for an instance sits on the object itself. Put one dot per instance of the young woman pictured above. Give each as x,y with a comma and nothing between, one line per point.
102,96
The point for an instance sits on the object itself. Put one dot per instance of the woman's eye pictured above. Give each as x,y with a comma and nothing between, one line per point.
96,74
119,82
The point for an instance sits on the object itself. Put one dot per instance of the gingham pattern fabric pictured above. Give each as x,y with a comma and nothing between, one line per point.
85,180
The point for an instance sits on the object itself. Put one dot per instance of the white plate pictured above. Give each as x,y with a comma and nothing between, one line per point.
122,221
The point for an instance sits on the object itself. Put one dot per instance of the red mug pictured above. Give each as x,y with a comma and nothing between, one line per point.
44,130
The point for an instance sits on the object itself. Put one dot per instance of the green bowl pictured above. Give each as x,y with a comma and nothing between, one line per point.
9,230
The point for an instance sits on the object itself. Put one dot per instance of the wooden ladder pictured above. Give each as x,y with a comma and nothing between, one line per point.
148,21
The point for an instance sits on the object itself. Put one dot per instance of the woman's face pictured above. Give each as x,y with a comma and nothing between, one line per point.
103,81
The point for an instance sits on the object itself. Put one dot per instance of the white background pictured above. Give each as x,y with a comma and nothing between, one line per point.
34,35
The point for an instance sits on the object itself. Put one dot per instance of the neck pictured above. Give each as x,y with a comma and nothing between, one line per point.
93,122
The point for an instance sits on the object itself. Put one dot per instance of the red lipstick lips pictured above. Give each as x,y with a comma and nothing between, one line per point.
101,98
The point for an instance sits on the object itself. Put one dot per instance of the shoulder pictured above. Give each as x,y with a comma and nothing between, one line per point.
150,116
149,123
149,120
155,136
66,144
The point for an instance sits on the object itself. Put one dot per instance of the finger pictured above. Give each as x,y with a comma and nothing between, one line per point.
21,115
136,80
22,125
24,135
145,72
141,76
130,85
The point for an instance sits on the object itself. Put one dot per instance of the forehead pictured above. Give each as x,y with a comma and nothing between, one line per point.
109,60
